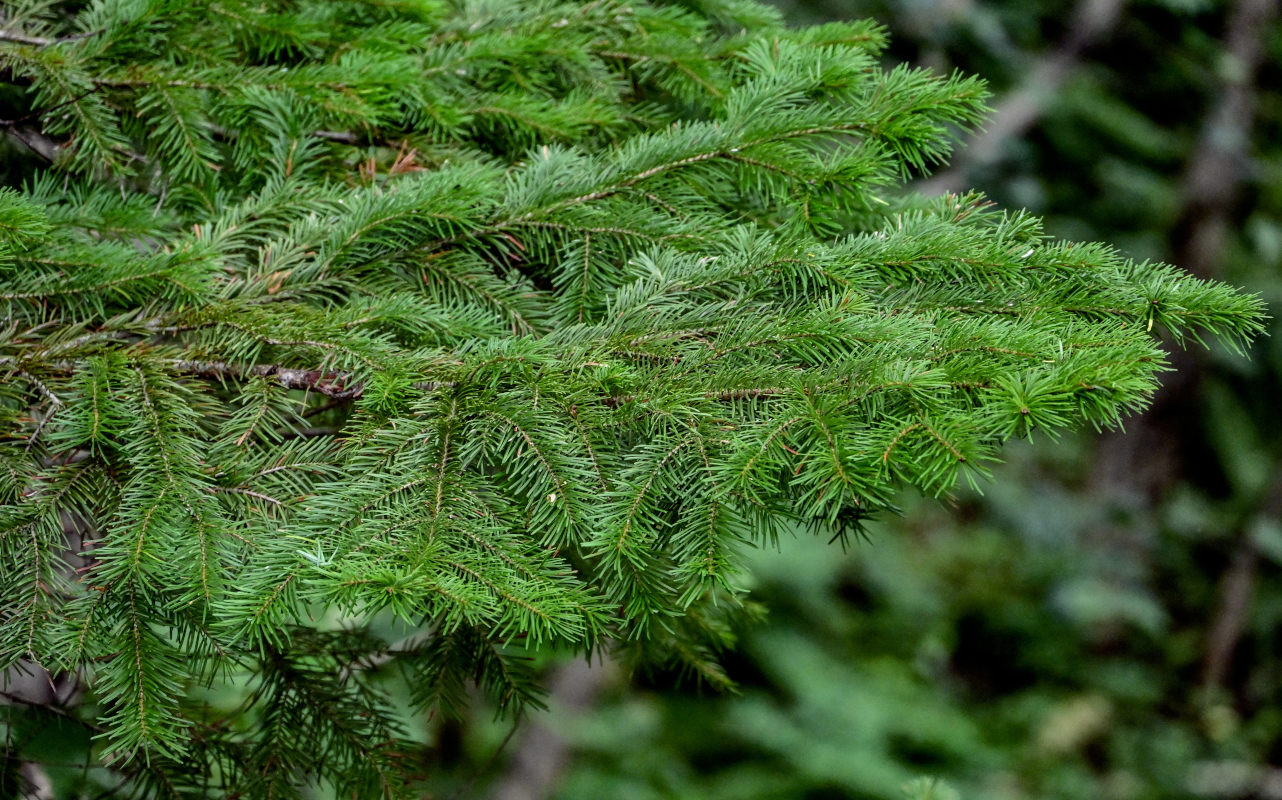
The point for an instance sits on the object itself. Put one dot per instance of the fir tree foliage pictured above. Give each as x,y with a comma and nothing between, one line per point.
354,348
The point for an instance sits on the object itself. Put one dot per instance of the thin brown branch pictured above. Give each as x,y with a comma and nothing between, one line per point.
343,137
43,41
338,385
734,394
35,141
18,38
246,492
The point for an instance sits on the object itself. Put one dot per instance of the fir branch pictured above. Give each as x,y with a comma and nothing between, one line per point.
602,296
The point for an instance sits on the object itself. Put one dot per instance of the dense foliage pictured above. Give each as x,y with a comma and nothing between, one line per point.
1103,622
356,351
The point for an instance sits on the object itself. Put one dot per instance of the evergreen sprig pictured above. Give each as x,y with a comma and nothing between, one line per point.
358,348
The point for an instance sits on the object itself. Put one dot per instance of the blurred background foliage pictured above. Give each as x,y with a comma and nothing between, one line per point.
1105,620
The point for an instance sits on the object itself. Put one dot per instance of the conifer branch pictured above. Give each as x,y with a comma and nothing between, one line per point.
529,377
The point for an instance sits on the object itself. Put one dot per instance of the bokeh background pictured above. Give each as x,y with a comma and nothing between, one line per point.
1105,619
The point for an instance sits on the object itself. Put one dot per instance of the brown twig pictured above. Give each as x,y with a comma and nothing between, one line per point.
337,385
35,141
43,41
734,394
343,137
